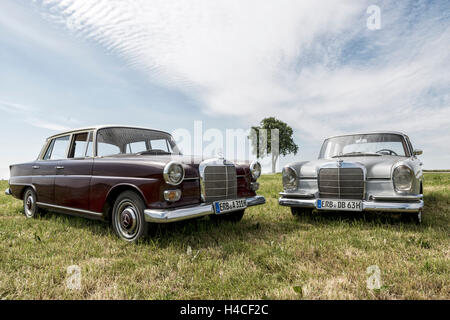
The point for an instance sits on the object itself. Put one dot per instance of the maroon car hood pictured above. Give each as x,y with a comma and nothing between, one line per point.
162,160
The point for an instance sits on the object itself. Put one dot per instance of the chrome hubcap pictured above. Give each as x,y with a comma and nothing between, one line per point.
29,205
127,220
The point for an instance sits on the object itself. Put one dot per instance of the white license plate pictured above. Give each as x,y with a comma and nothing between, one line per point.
229,205
344,205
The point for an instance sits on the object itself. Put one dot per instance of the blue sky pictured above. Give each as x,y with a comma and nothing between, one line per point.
165,64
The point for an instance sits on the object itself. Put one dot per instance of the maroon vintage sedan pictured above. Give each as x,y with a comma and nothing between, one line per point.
131,177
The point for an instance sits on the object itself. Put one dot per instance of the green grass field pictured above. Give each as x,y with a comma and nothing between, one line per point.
268,255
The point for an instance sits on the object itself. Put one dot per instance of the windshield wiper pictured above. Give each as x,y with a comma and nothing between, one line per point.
357,154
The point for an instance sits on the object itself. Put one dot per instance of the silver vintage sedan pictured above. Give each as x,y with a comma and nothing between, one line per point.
376,171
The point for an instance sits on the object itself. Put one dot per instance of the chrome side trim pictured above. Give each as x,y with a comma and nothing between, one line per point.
367,205
200,210
8,192
69,209
114,177
20,184
192,178
110,177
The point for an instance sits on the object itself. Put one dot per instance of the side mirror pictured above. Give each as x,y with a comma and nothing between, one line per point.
417,152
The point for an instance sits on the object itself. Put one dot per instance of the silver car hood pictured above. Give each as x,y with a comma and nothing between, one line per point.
376,166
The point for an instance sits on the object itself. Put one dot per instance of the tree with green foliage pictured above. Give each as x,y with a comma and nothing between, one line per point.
273,137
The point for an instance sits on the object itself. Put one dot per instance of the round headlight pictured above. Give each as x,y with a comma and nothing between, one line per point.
403,178
290,179
255,169
173,173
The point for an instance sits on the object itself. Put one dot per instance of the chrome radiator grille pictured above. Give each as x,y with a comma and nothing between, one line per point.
220,182
341,183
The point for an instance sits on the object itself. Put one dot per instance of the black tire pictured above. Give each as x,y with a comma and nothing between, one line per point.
128,217
417,217
412,217
298,212
235,216
30,208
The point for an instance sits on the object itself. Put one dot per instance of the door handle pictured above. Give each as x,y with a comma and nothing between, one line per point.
59,167
36,167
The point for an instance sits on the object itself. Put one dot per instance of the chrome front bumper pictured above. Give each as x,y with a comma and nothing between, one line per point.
381,206
8,192
178,214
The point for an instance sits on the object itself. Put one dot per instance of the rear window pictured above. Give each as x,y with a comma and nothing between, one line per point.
57,148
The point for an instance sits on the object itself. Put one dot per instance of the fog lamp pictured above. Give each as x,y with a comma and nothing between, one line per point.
172,195
254,186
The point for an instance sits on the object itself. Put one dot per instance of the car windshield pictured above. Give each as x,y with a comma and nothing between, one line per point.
364,145
115,141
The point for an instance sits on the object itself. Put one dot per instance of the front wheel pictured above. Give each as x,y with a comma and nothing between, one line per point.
297,212
412,217
235,216
417,217
128,217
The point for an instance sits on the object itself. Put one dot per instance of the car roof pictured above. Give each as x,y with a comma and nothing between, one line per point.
97,127
370,132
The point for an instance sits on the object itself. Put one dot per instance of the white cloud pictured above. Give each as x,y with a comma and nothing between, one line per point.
285,58
28,114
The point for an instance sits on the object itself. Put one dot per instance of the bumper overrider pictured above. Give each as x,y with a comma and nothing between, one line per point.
177,214
381,204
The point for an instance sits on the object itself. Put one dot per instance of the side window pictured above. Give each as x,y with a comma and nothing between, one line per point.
411,149
89,149
57,149
49,150
107,149
79,145
135,147
160,144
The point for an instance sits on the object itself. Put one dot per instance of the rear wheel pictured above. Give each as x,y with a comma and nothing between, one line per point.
128,217
297,212
235,216
30,208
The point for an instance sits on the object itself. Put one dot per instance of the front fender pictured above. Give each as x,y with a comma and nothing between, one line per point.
302,170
